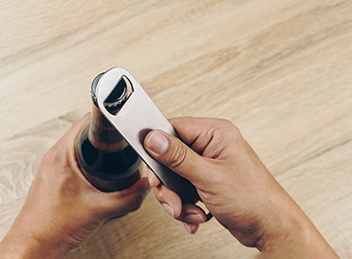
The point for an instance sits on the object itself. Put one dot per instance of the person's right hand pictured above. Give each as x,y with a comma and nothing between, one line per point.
235,187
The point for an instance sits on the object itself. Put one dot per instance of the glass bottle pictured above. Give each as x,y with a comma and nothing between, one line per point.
104,157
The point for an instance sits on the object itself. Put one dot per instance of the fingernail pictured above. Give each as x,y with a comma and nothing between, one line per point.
168,208
157,142
194,218
187,227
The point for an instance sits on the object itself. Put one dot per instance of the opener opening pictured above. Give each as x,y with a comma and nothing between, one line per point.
119,95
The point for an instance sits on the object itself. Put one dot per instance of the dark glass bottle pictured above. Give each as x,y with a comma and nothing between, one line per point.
104,157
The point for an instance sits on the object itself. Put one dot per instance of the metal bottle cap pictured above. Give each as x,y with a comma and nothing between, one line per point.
102,134
116,98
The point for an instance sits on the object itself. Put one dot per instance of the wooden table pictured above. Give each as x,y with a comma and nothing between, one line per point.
280,70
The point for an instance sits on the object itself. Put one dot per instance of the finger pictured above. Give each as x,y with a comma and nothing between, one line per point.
206,136
191,227
176,155
65,145
169,199
152,179
76,127
189,128
172,204
192,130
192,214
127,200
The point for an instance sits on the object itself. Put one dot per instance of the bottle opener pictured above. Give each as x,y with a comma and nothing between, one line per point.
137,116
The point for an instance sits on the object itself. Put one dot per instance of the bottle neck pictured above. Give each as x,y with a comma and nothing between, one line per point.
103,135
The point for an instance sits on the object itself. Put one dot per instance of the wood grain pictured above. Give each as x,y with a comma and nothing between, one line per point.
281,71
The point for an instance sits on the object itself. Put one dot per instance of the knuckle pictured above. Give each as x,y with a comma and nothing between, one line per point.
177,156
53,155
159,195
136,202
227,126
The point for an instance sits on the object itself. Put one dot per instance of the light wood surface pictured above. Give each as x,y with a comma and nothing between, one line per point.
280,70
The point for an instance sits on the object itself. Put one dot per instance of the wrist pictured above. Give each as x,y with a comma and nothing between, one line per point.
23,244
291,234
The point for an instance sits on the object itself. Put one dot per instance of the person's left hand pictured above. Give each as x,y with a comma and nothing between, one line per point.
62,208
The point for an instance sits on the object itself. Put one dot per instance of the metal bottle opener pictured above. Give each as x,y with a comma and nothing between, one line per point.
136,117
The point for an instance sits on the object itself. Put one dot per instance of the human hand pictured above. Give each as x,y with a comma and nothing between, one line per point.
62,208
235,187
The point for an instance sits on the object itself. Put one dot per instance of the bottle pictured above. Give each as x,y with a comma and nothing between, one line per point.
104,157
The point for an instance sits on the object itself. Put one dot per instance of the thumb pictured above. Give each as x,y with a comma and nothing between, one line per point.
174,154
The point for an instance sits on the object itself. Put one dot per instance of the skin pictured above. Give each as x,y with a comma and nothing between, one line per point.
62,208
235,187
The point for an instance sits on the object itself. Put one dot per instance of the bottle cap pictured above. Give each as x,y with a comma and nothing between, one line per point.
117,97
